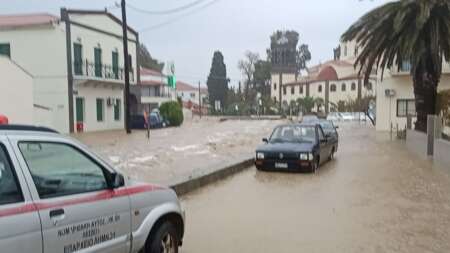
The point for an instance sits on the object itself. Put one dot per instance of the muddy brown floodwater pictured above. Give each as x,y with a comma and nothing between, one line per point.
374,197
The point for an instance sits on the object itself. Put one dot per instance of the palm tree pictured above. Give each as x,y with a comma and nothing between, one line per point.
414,31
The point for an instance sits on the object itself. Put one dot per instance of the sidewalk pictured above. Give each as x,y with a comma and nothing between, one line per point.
176,154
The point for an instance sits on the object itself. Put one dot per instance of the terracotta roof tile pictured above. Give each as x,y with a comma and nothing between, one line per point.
21,20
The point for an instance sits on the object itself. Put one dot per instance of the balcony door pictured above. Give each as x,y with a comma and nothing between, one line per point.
98,62
77,59
115,64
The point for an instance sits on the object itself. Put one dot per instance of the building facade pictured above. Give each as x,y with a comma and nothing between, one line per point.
396,101
334,81
152,91
190,94
76,62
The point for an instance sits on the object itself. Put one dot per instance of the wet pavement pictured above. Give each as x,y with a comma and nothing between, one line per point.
374,197
179,153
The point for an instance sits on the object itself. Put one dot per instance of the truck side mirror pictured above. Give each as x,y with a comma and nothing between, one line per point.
265,140
117,180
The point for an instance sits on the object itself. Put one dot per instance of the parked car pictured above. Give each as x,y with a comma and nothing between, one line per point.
309,118
334,116
347,116
330,131
138,121
294,147
57,196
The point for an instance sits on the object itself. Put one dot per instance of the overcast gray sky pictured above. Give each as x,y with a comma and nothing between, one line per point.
231,26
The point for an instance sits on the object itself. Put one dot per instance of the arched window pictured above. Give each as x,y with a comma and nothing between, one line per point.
320,88
353,86
343,87
333,87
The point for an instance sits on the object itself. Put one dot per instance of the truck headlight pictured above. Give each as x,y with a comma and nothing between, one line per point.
304,156
260,156
310,156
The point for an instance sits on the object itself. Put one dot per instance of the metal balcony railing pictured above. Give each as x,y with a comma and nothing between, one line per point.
92,69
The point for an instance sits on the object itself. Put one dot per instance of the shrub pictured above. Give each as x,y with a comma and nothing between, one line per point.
173,112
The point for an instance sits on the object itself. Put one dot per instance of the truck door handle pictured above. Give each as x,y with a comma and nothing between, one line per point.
57,215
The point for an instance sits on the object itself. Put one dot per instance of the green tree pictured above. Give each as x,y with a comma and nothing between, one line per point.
406,31
173,112
217,81
318,101
247,67
306,104
262,77
146,60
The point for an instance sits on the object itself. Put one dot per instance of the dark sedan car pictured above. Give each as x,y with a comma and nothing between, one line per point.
296,147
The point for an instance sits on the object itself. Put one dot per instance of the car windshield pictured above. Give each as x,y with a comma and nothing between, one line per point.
293,134
327,126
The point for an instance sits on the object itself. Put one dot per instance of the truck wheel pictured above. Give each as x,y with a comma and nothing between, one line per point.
165,240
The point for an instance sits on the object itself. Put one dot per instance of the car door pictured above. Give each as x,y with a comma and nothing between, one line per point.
324,145
20,227
77,208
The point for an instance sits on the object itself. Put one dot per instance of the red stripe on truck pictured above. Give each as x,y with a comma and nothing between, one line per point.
102,195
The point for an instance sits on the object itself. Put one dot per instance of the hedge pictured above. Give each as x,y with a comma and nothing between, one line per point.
173,112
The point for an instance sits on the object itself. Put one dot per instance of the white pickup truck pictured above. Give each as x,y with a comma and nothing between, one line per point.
58,197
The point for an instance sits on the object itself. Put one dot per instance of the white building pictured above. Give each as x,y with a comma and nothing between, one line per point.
395,100
190,94
76,62
152,90
333,81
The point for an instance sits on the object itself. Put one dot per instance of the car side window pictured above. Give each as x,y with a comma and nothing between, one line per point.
9,186
321,136
59,169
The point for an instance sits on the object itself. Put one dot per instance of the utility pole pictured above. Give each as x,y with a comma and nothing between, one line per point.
199,101
127,67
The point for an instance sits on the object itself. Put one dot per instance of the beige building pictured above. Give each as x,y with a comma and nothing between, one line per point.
333,81
395,100
76,62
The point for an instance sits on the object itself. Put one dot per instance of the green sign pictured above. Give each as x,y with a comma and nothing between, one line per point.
172,81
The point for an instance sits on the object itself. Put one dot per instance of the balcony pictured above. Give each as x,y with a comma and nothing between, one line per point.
91,70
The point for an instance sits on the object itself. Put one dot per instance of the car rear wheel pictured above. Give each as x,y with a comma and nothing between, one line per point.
165,240
315,165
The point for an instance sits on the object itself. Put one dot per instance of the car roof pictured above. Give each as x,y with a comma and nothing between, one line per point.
26,129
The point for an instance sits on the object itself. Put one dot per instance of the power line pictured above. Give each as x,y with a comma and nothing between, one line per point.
179,17
164,12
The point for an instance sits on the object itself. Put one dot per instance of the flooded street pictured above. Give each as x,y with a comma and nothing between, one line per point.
178,153
374,197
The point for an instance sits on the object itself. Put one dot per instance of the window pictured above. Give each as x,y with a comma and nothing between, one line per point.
406,107
333,88
292,90
301,89
369,86
77,59
5,49
345,50
353,86
9,187
275,86
321,135
100,109
343,87
98,62
79,106
117,109
356,50
193,95
284,90
130,62
320,88
115,64
59,169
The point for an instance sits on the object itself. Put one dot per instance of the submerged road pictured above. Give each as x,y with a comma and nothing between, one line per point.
374,197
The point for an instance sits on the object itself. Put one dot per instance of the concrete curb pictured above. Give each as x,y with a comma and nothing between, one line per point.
191,184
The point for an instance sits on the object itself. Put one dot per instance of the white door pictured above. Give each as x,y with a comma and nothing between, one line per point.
78,209
20,228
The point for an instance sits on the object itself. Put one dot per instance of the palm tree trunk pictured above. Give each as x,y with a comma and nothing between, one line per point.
425,92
